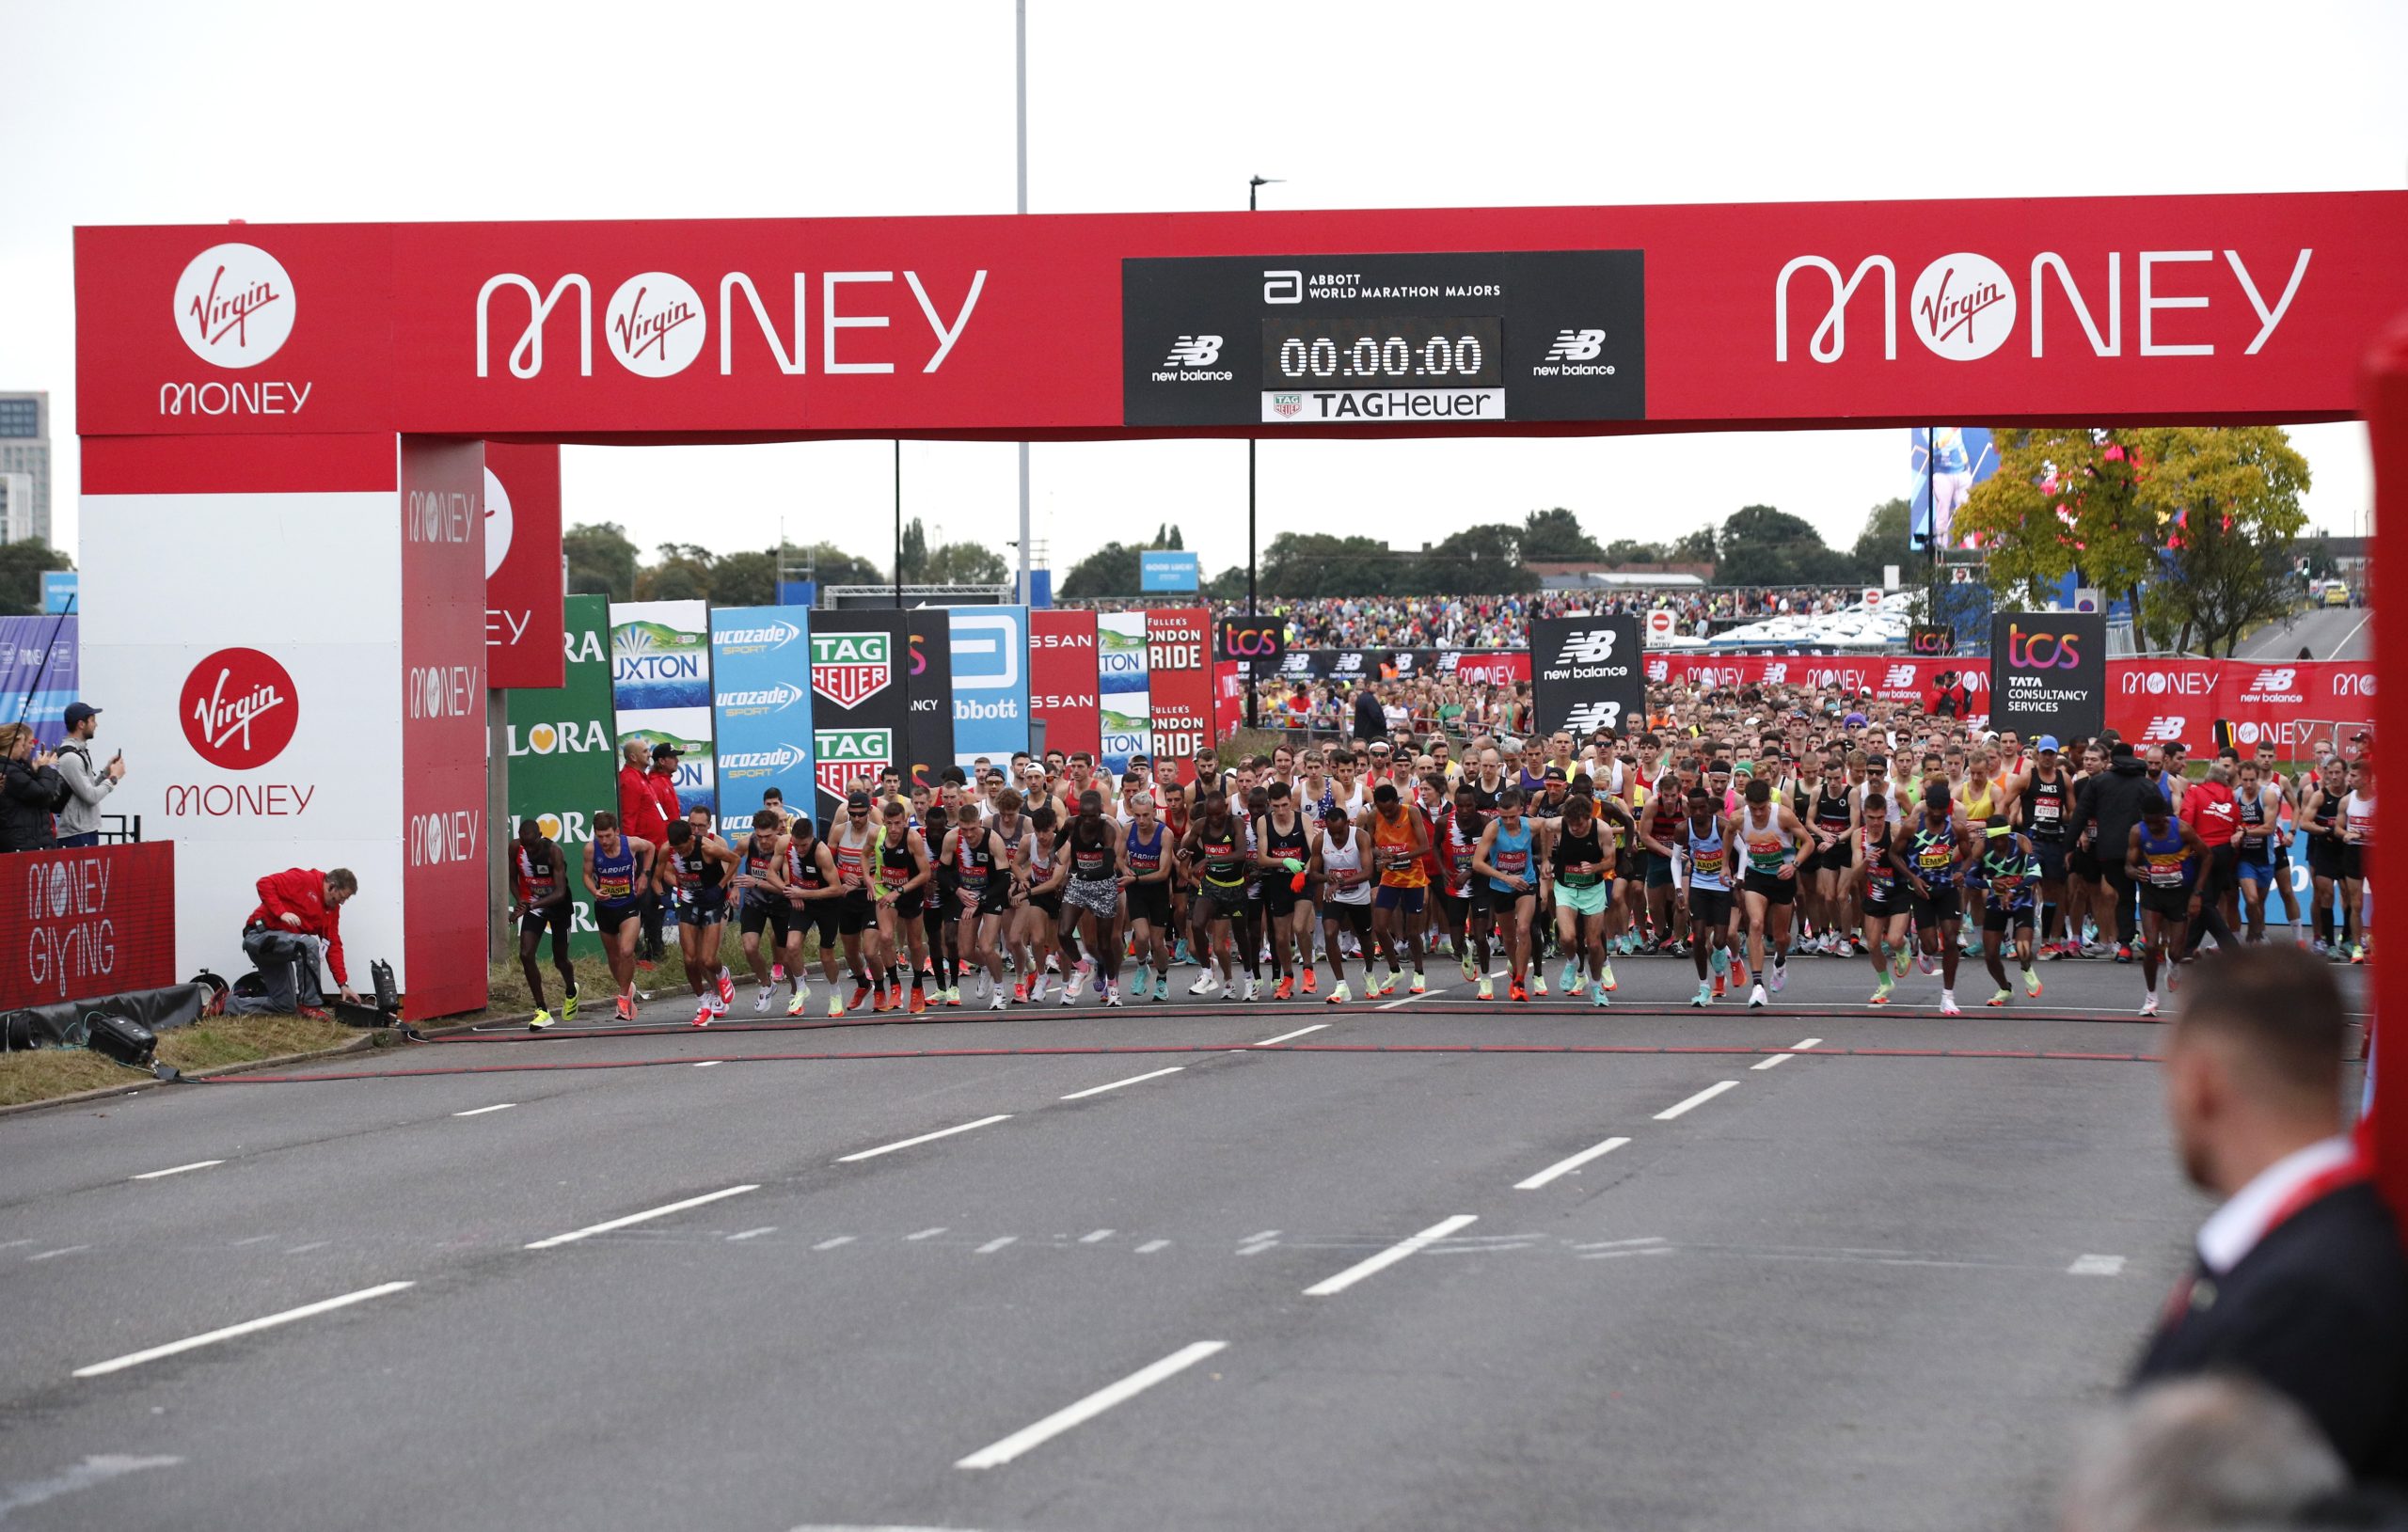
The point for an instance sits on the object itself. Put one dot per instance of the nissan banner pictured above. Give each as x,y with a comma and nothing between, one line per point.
1588,676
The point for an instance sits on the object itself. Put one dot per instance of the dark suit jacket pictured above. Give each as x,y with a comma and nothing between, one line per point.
2319,1311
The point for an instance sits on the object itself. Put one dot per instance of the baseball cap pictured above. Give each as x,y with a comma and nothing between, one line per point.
78,712
857,800
665,749
2046,744
1553,774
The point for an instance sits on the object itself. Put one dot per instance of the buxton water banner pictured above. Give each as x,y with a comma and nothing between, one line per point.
660,678
1128,719
761,707
564,751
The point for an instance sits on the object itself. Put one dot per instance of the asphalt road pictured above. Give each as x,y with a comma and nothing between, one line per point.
2324,632
1866,1282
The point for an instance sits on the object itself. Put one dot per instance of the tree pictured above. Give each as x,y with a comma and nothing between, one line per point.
22,567
2235,514
745,579
1883,540
1113,569
1624,551
966,563
601,560
914,554
1555,536
2063,496
682,573
1307,565
1762,545
1695,547
832,565
1485,560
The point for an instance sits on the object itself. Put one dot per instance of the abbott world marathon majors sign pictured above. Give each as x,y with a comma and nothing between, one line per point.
2048,674
1588,674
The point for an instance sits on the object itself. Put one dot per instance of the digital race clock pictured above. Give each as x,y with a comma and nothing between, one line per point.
1466,337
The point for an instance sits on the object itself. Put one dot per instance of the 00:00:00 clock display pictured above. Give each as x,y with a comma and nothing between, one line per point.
1373,357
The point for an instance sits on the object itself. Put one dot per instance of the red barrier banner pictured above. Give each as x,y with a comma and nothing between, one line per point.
1228,698
1062,680
523,590
1486,667
2287,709
1179,681
95,921
1962,687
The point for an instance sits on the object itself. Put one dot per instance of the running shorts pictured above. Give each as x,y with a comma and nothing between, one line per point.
1357,916
1148,902
2053,860
704,907
610,917
854,913
1938,906
1659,870
1588,899
556,917
2254,872
1226,901
778,918
2171,904
1710,906
1780,890
2354,862
1390,896
2021,916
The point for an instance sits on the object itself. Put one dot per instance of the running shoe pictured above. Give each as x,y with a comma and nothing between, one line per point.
1777,974
626,1009
1004,1002
1070,988
1471,970
1385,986
1605,978
1948,1004
1927,962
727,984
1569,980
1899,962
2172,975
568,1007
1037,987
2358,952
800,1000
1253,989
538,1021
2123,952
1573,982
1719,962
1881,991
2051,952
1137,982
1341,995
861,992
777,973
1287,990
953,994
703,1014
1207,984
1515,990
1599,996
835,1005
1538,982
1420,986
1705,993
2148,1006
1312,980
1112,993
1162,988
919,1000
1720,982
1487,987
2001,998
2031,983
761,1001
881,1001
1757,1000
1739,968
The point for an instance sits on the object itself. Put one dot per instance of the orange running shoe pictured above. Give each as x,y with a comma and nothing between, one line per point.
1517,991
881,1001
1738,971
1717,986
1287,990
1312,981
919,1000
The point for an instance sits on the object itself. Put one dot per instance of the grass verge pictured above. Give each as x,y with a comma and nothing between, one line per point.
45,1073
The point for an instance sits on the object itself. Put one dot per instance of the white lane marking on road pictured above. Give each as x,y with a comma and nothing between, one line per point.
924,1138
1290,1037
994,1245
1618,1244
97,1469
1566,1166
479,1112
1697,1100
710,1064
1152,1245
1799,1047
63,1250
1097,1237
832,1244
1254,1244
11,1244
2343,643
926,1234
1386,1259
254,1239
753,1234
314,1244
175,1170
177,1348
646,1216
1093,1405
1407,1000
1133,1079
2097,1266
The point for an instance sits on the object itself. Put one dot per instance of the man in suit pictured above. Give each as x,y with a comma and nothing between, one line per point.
2300,1279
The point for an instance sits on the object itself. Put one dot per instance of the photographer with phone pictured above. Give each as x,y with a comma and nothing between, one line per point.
30,790
83,783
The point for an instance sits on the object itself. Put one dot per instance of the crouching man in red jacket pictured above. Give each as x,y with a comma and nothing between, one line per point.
300,915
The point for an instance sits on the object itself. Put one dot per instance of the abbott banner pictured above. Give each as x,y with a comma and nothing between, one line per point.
660,678
564,750
2049,672
991,665
1587,674
760,681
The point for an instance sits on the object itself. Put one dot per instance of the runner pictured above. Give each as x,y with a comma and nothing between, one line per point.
1214,855
1338,868
1091,899
1580,863
1282,842
539,891
1769,835
1829,863
1400,840
1937,846
689,880
1463,897
1145,880
814,902
1886,903
2043,796
2161,857
1505,855
2010,880
2261,813
2322,815
982,878
1044,869
761,902
901,875
2357,843
854,846
1705,851
617,869
1660,827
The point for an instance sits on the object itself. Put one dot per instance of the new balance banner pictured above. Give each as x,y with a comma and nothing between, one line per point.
1957,689
859,658
990,682
1487,667
2290,711
564,750
522,564
1062,680
927,736
1588,674
761,683
2049,672
1120,677
1178,684
661,680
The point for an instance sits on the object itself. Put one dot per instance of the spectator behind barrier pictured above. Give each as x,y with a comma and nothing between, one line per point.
79,815
30,790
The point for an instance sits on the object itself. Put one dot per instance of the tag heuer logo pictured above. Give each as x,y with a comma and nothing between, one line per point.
849,668
846,755
1287,405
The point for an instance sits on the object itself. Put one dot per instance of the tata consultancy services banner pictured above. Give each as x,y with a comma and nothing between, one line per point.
991,659
761,682
2049,672
661,677
1120,678
564,751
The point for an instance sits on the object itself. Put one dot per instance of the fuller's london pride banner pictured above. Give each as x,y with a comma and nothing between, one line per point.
660,678
761,704
1588,674
859,661
564,751
2049,672
1179,687
1062,680
990,682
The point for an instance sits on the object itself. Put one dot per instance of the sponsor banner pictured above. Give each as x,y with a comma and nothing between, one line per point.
992,661
1931,640
1947,462
39,675
1484,667
523,584
445,839
1127,720
927,731
1588,673
660,684
1942,686
2289,709
92,921
1172,570
1256,638
2049,672
564,752
688,729
762,709
1179,685
58,588
859,661
1062,687
1228,700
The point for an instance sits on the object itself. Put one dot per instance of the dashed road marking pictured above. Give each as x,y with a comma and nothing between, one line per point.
2097,1266
646,1216
1328,1287
175,1170
1035,1435
1565,1166
1697,1100
1098,1090
924,1138
135,1358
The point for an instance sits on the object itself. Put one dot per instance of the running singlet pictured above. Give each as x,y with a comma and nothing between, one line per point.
614,876
1458,857
1090,861
1880,878
1831,811
1041,859
1349,859
1709,860
1391,845
2162,859
1145,857
1665,812
1977,808
2328,806
1511,856
2044,808
696,868
537,881
1223,861
2254,844
1570,849
2357,812
973,861
802,865
1767,843
1933,853
2011,875
895,864
1283,844
853,863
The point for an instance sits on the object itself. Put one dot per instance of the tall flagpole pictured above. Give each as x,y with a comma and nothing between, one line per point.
1019,114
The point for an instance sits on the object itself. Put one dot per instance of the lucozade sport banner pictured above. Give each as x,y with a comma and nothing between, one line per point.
1062,680
1179,687
661,680
859,685
564,754
761,686
1121,681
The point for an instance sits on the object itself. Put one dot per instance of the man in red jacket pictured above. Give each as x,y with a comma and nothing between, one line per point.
299,915
647,801
2209,807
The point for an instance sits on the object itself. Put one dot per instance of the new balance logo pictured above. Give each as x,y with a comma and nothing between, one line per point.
1194,351
2275,680
1588,717
1900,675
1577,346
2164,729
1592,646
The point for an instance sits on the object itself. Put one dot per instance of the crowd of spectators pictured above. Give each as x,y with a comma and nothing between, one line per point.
1503,622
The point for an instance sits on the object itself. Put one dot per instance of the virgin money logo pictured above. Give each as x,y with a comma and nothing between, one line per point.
234,305
498,524
655,324
239,709
1963,307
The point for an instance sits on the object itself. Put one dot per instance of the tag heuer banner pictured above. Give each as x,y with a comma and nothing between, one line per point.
661,677
857,659
1587,674
564,752
761,680
2049,672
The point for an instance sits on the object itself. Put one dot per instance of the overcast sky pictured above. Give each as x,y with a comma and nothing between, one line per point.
200,110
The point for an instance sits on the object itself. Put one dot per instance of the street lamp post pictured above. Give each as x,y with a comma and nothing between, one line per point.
1253,185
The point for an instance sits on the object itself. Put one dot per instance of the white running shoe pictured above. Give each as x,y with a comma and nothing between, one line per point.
1003,1002
1112,993
761,1001
1780,975
2148,1006
1756,998
1207,983
1070,992
1253,988
1948,1004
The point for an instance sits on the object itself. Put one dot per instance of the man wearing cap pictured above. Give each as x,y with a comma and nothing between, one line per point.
79,815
